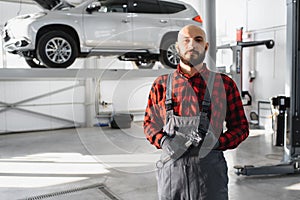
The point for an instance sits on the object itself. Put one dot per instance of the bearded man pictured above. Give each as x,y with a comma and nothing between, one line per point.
185,116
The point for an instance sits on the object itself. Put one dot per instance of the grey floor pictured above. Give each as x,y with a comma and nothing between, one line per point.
103,163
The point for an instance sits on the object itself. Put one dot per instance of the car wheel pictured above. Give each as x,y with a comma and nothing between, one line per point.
34,63
168,53
144,65
57,49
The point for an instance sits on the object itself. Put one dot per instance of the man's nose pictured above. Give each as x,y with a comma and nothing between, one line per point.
191,44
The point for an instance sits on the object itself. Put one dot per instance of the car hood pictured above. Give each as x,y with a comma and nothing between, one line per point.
52,4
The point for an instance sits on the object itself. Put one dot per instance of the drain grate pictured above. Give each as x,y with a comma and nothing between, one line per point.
100,187
108,193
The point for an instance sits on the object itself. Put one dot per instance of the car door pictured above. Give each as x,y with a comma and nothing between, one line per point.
149,23
109,27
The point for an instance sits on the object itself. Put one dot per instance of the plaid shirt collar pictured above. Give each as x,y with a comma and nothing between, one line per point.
203,72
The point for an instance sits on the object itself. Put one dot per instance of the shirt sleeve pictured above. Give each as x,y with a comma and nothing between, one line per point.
154,114
236,121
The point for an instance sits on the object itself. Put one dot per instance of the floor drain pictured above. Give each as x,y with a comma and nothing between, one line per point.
107,192
101,187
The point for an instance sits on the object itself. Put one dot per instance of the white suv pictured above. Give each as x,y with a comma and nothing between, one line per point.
142,31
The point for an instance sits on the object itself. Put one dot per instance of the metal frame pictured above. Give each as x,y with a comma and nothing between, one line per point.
87,77
237,63
237,59
7,74
18,105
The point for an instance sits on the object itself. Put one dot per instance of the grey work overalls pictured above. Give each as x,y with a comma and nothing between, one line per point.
199,173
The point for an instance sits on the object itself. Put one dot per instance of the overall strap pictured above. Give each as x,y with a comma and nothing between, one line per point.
206,100
208,92
169,102
204,121
205,103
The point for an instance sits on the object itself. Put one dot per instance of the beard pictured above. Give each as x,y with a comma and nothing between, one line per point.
195,59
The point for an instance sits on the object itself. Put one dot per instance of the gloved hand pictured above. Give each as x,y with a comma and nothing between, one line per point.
210,141
175,146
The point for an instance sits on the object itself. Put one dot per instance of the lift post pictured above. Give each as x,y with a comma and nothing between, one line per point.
291,158
237,60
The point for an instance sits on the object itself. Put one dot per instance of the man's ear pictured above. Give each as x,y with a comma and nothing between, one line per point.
206,46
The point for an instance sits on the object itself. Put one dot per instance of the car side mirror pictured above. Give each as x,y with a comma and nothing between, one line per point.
95,6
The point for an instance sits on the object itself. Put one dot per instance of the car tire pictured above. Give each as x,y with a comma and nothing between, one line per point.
57,49
144,65
34,63
168,53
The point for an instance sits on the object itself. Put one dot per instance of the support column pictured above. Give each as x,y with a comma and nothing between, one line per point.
90,112
209,22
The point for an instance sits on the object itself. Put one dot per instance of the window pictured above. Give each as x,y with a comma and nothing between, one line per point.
115,6
156,7
169,7
146,6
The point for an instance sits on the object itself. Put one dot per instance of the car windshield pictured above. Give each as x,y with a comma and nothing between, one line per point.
63,5
69,4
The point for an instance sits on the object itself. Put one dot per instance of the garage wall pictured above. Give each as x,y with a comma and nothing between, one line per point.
126,96
264,14
230,15
270,66
30,108
260,22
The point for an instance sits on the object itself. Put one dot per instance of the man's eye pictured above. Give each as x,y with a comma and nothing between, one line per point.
198,40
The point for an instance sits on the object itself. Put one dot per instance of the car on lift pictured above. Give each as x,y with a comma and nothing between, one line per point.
142,31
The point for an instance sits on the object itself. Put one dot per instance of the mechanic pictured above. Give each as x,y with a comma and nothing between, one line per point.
185,116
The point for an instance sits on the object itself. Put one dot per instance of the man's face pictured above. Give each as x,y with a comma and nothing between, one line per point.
192,46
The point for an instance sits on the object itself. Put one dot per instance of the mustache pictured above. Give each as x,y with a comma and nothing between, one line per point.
192,51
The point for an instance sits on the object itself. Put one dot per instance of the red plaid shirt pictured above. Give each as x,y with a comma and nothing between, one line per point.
187,96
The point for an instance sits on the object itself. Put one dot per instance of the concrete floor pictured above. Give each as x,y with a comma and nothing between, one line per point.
103,163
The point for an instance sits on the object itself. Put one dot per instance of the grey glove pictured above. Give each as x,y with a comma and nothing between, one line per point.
174,147
210,141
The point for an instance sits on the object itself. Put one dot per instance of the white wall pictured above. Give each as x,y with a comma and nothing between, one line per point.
230,15
263,20
61,105
270,66
264,14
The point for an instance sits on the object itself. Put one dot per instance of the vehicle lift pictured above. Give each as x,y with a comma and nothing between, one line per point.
236,69
290,163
